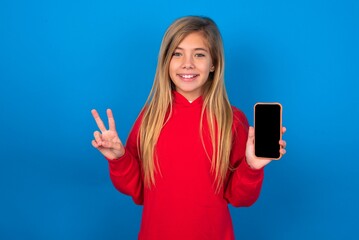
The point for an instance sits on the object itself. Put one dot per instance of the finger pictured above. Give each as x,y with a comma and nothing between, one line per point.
94,144
284,129
282,151
283,143
111,120
98,120
98,138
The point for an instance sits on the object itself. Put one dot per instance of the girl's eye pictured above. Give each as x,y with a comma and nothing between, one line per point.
199,55
176,54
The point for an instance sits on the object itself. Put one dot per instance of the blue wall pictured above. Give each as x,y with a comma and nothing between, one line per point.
60,59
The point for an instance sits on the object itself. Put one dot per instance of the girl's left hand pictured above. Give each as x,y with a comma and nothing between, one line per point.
256,162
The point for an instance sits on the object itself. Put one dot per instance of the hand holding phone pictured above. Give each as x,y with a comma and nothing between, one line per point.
267,130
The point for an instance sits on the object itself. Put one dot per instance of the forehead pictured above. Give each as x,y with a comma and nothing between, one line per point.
194,40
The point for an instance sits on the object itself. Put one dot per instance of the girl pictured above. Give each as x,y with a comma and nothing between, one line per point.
189,153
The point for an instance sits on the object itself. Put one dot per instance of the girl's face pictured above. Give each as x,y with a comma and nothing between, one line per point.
190,66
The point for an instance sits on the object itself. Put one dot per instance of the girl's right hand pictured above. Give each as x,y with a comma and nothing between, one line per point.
107,141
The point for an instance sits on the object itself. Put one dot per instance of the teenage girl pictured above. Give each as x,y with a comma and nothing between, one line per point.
190,153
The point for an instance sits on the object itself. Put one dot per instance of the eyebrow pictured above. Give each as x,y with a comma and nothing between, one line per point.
196,49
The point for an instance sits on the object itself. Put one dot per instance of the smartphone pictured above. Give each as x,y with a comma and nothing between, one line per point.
267,129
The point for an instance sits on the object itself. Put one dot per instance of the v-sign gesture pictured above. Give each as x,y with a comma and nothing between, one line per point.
107,141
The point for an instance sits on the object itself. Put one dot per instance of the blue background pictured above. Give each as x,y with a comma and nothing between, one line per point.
60,59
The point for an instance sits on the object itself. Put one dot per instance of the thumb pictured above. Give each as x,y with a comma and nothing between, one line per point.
250,135
250,143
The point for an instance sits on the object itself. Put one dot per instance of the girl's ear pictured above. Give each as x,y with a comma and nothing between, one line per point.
211,69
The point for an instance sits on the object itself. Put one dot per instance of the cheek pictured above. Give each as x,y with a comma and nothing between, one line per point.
205,65
172,70
205,68
174,66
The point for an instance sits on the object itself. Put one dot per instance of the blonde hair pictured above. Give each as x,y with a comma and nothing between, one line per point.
216,106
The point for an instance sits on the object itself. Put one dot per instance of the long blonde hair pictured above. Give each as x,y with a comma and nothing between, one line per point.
216,106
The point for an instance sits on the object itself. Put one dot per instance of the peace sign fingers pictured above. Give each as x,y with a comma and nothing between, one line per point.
107,140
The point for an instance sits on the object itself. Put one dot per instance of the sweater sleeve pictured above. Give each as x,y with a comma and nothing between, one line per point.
243,184
125,172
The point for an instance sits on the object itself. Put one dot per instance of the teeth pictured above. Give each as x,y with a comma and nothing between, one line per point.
188,76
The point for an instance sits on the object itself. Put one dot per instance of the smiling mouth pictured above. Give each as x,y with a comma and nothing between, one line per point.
188,77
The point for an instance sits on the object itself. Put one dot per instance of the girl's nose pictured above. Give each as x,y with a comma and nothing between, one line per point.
188,63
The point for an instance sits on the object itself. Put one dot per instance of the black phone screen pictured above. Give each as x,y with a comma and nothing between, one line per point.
267,129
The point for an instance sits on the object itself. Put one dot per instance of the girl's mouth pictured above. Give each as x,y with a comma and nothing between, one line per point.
188,77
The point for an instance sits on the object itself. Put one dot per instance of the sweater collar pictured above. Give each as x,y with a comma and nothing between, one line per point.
180,100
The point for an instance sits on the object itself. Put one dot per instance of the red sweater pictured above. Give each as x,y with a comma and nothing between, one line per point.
183,203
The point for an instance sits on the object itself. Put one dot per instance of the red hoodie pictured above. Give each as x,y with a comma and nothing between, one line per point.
183,203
